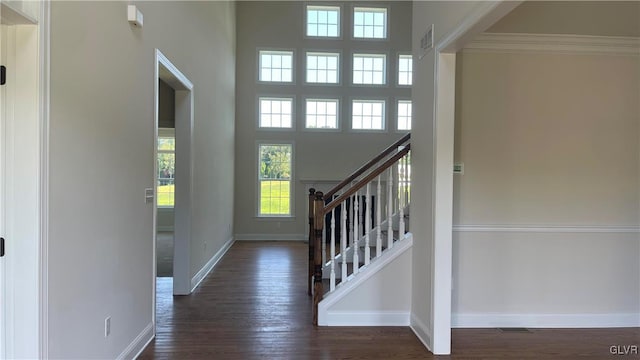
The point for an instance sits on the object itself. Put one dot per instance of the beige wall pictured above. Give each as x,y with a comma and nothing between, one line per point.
547,141
101,153
601,18
317,155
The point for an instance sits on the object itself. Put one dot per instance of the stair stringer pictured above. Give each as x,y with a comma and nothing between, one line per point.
376,296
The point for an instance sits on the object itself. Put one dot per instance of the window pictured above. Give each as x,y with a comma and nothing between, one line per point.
323,21
322,67
367,115
405,68
275,112
321,114
369,69
276,66
370,23
166,167
404,115
274,178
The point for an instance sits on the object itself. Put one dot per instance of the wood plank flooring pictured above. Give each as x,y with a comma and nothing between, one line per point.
254,305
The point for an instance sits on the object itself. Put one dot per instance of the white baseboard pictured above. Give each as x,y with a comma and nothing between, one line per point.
367,318
271,237
206,269
545,320
138,344
423,333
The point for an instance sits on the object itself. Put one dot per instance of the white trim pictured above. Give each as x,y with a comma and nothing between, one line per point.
271,237
206,269
367,318
555,43
490,320
422,331
548,228
44,27
345,288
138,344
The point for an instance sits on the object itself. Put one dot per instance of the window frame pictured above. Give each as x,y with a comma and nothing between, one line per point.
326,5
397,102
400,55
276,50
323,52
385,114
258,190
370,6
338,113
276,97
384,73
164,133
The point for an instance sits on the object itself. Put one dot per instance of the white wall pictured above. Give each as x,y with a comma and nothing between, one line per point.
101,151
548,207
317,155
446,17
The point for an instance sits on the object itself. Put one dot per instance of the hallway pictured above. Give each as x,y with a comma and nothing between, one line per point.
254,305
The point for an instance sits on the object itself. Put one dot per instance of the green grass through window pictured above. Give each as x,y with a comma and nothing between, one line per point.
274,197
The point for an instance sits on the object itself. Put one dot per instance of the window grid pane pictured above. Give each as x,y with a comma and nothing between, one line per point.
322,68
404,115
367,115
369,69
275,112
166,171
405,68
323,21
276,66
274,177
370,23
321,114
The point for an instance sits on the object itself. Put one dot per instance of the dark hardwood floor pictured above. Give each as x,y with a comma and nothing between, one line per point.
254,305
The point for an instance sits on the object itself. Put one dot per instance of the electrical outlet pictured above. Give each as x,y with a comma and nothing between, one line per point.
107,326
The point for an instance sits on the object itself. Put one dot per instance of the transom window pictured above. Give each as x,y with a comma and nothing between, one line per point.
322,67
367,115
276,66
369,69
166,167
405,69
404,115
369,23
323,21
274,178
275,112
321,114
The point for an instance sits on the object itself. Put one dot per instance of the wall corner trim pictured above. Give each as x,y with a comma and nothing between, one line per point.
139,343
422,331
555,43
206,269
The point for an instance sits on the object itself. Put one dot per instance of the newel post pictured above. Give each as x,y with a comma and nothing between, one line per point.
318,227
312,197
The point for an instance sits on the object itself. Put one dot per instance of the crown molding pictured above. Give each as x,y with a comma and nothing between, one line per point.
555,43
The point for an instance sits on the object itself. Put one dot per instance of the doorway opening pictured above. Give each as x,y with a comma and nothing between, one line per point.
173,134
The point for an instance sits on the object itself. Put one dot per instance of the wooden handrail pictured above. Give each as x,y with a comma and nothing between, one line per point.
360,184
329,194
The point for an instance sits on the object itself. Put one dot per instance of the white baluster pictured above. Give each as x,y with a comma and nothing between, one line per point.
343,239
401,198
367,226
332,277
390,209
353,221
356,233
378,220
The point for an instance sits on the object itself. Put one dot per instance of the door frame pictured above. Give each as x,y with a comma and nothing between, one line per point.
184,104
25,187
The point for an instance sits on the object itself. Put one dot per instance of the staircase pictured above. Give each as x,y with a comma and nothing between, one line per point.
354,226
